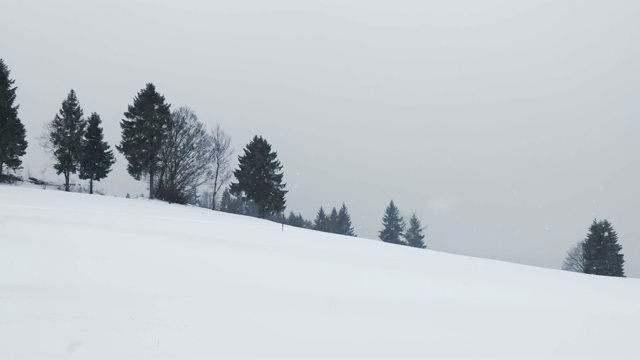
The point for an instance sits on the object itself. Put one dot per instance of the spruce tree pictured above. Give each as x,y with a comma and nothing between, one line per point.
321,222
393,225
295,220
65,137
225,201
344,222
601,250
333,221
413,235
259,177
96,158
143,131
12,133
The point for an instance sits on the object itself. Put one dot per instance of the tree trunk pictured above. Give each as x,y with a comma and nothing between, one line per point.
151,184
215,189
66,181
91,185
1,165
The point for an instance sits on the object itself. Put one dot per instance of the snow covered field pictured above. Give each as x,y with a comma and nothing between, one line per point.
93,276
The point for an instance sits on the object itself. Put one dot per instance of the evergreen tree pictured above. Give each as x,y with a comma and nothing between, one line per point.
601,251
65,137
12,133
344,222
333,221
96,158
393,225
295,220
322,221
143,132
259,177
414,236
225,201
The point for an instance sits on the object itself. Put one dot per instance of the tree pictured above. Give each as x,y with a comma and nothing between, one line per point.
413,235
344,226
322,221
12,133
259,177
143,132
575,259
393,225
225,202
96,156
221,152
65,133
333,221
601,250
230,204
184,158
295,220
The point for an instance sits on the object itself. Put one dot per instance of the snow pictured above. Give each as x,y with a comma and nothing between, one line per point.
96,276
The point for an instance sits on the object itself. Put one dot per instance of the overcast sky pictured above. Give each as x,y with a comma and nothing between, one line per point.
507,126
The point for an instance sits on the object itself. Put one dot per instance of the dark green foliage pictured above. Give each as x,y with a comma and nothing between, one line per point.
66,133
393,225
295,220
96,158
338,222
12,133
413,235
143,132
343,225
333,221
259,178
601,250
322,221
230,204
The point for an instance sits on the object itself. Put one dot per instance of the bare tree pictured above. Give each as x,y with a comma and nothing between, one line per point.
575,259
221,152
185,157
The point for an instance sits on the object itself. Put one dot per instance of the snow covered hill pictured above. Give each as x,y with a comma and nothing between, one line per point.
93,276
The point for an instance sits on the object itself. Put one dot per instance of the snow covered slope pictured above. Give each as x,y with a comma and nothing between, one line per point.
92,276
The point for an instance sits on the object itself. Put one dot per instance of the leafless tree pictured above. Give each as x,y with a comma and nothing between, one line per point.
185,157
575,259
221,152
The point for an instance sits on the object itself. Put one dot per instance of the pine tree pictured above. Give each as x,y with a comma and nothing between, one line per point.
65,137
344,222
414,236
333,221
225,201
393,225
295,220
143,132
12,133
259,177
601,251
96,158
322,221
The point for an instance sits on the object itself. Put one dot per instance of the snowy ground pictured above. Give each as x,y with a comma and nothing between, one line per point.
94,276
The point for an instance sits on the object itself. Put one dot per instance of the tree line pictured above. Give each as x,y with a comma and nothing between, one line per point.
177,155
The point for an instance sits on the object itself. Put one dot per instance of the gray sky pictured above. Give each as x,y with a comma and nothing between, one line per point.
508,126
